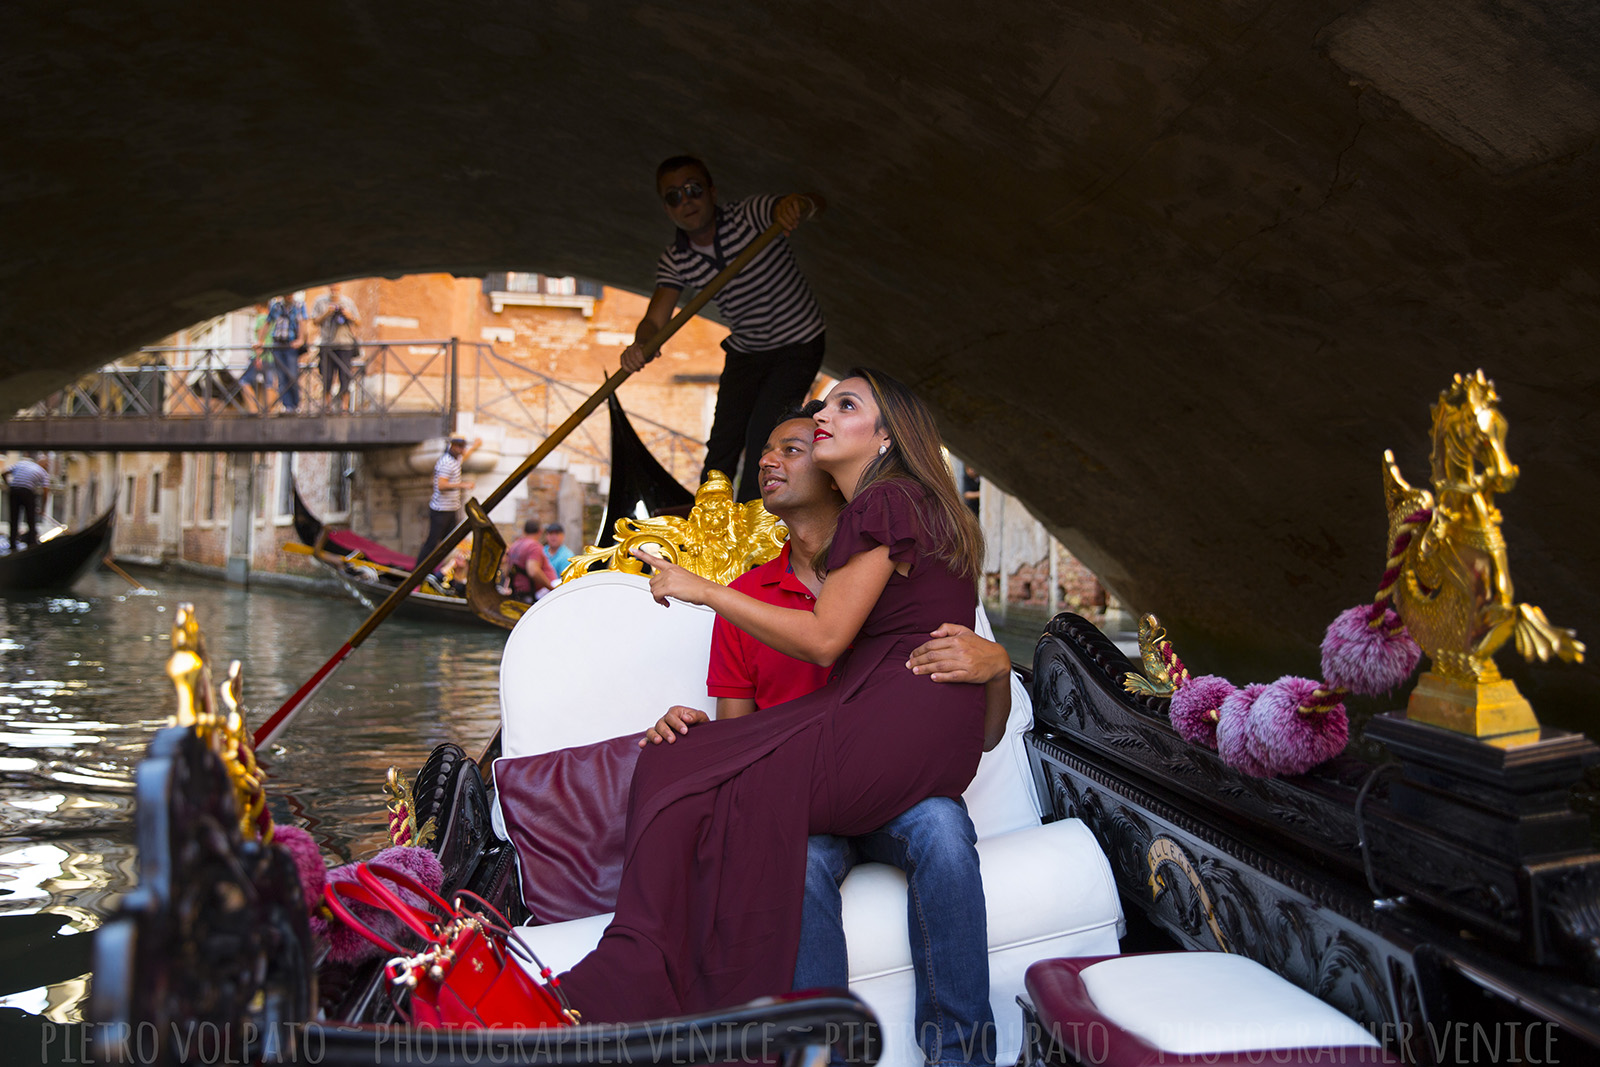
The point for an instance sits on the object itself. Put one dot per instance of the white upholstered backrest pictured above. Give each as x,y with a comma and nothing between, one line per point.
1000,798
597,658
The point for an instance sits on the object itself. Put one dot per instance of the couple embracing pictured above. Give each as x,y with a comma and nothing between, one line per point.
715,877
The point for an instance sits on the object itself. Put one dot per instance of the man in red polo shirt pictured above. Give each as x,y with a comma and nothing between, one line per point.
933,842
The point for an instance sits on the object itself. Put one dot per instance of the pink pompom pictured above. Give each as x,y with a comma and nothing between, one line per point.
1196,707
302,848
1368,660
1286,741
1232,721
346,945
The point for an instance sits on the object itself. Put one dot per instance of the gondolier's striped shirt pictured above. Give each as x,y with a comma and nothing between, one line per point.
26,474
768,305
448,467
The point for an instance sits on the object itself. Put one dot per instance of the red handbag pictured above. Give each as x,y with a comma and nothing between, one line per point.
465,975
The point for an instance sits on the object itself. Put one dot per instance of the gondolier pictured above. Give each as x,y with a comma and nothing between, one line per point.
444,506
775,348
29,484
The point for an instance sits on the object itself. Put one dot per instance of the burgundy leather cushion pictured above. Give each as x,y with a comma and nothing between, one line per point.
565,812
1069,1019
346,542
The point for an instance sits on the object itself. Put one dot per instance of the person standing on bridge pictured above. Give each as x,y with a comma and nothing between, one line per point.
444,507
775,348
336,321
285,327
29,486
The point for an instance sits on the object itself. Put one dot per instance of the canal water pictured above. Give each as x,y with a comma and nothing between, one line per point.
83,688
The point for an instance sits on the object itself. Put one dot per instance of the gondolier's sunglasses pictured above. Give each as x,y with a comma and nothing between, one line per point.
686,191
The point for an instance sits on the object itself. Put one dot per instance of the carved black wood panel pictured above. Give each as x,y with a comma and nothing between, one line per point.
1212,892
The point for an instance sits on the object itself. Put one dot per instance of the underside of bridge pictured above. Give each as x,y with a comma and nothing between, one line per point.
1174,273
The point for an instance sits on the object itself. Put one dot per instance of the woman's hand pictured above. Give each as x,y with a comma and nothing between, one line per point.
671,580
676,721
956,654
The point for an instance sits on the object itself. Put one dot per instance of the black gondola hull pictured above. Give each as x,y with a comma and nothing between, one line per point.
60,561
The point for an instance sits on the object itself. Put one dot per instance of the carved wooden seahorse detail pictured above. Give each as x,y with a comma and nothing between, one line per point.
1164,851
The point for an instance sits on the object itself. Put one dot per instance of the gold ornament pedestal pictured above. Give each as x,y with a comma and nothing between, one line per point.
1493,711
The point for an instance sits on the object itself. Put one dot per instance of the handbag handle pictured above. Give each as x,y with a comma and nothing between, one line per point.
331,894
370,890
373,876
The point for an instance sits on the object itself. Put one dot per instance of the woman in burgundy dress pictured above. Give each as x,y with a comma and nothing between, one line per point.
708,911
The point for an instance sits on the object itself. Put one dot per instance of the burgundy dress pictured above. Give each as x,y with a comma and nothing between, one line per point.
708,911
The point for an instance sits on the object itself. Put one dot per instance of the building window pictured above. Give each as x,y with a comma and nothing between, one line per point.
191,464
94,497
75,511
130,493
340,472
155,493
208,480
286,485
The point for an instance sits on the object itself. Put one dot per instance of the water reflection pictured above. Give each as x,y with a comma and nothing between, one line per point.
83,687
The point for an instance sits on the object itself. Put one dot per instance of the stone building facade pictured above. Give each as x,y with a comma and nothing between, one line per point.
529,348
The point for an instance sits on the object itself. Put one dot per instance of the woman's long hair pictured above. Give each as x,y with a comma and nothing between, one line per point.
915,457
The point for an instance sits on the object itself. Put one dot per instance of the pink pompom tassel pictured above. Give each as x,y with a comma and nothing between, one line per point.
302,848
1364,659
1232,721
1287,741
1197,705
347,946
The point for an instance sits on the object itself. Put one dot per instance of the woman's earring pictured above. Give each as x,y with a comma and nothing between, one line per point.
882,449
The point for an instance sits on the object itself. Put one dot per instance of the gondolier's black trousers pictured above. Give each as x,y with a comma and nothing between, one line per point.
439,524
24,502
755,389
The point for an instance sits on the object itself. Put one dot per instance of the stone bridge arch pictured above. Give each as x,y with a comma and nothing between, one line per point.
1175,276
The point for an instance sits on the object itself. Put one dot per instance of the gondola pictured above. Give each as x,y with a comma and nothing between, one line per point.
1440,901
369,572
59,561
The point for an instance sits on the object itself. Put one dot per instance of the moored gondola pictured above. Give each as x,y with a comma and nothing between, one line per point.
369,572
59,561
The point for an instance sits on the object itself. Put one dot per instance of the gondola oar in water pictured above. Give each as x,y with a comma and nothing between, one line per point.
425,566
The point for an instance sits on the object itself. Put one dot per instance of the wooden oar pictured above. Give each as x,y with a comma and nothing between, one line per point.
130,579
280,718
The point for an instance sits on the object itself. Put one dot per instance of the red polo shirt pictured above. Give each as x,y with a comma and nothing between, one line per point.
741,666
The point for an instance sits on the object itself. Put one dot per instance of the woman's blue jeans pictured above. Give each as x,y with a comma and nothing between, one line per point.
934,844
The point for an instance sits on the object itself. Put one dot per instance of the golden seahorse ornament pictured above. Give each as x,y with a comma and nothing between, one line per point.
1164,672
720,540
1451,584
225,732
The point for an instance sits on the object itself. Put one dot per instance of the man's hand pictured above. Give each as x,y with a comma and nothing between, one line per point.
956,654
792,210
676,721
671,580
633,357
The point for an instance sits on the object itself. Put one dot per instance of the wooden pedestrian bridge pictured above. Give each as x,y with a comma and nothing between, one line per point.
196,399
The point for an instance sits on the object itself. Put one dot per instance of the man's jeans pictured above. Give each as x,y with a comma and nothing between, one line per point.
948,924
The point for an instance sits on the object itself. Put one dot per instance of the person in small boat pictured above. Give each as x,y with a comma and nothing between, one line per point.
775,348
709,906
934,842
527,567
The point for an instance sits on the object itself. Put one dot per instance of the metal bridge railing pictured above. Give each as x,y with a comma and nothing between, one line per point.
387,378
217,382
528,401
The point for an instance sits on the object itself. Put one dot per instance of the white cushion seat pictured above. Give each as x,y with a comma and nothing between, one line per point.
1186,1007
